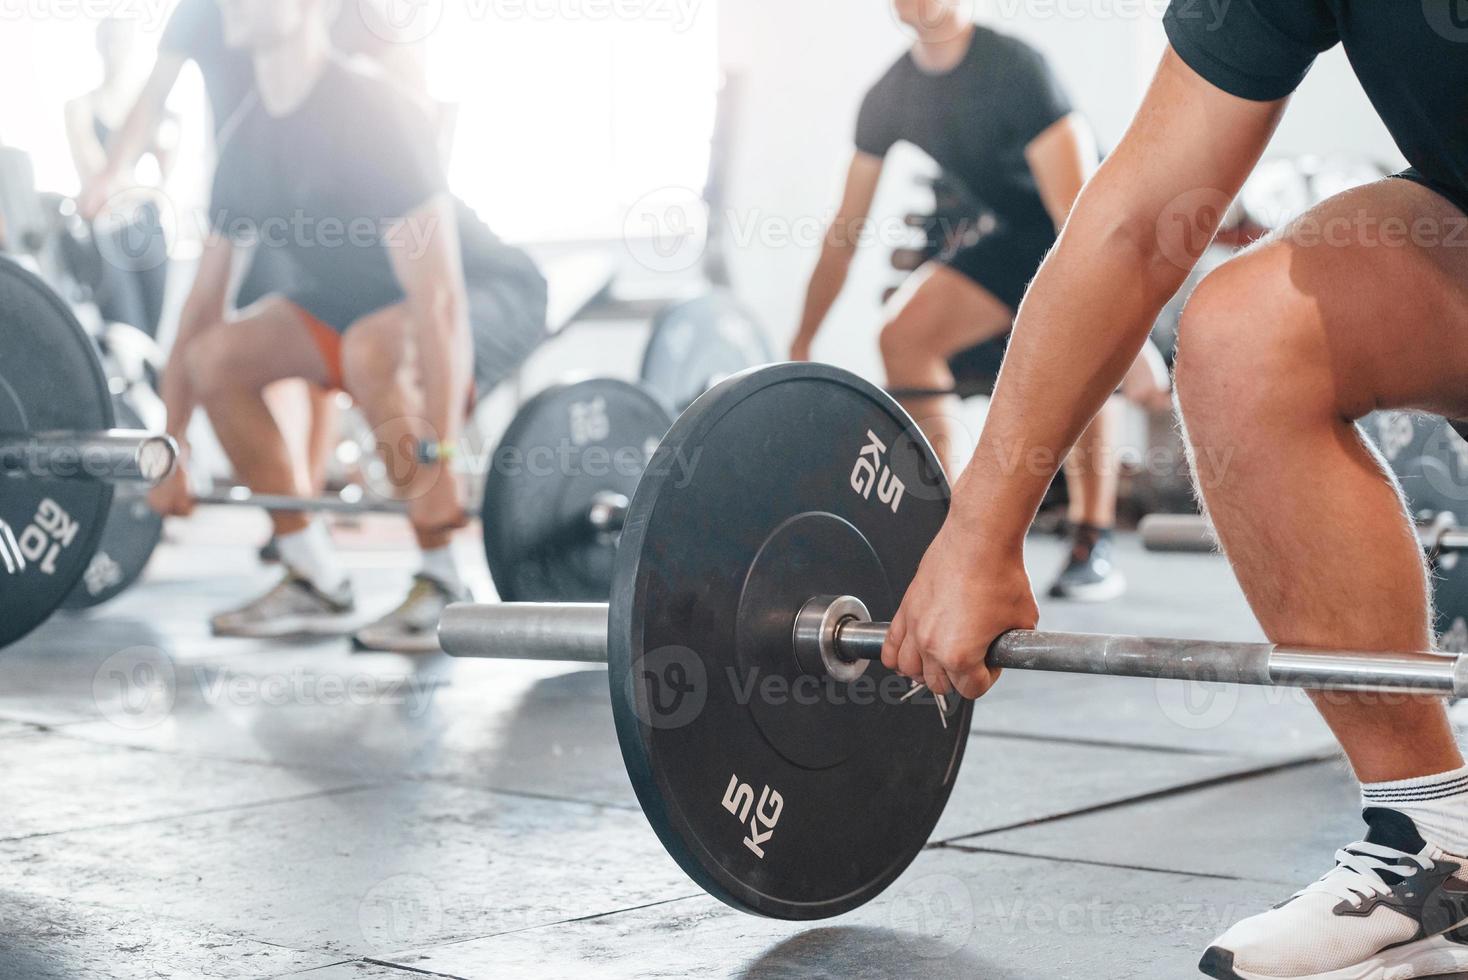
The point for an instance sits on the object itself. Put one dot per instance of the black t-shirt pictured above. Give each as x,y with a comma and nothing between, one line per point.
1412,60
326,185
974,121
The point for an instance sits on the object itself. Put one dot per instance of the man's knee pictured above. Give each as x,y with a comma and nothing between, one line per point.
371,362
913,333
209,363
1243,344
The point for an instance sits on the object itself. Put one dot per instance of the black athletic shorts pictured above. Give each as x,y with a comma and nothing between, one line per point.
1003,263
507,319
1457,196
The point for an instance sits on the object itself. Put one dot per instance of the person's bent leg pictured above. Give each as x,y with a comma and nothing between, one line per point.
1281,351
378,370
231,365
938,313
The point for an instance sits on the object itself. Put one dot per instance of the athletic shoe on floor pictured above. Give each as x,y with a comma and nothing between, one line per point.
294,607
413,626
1390,910
1090,574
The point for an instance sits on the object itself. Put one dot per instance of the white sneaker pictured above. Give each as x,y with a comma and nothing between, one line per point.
413,626
1389,910
294,607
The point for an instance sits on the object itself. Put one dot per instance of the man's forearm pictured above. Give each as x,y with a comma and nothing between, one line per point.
825,288
1064,361
446,358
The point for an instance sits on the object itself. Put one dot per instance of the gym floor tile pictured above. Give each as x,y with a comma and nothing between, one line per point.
355,970
54,784
1007,782
360,873
59,939
1268,723
1283,827
957,915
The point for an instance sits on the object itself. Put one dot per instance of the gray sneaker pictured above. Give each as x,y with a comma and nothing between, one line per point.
413,626
294,607
1090,573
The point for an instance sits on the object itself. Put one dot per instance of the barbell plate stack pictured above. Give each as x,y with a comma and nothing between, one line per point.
571,450
698,343
133,532
779,792
50,380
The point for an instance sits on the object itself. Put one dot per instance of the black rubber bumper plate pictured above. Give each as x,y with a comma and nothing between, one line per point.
50,380
780,792
698,343
564,448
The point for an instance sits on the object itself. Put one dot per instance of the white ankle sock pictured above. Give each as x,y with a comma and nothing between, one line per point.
310,555
441,566
1438,805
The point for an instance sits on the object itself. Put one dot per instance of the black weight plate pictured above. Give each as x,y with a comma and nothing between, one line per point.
50,379
1450,600
781,793
563,448
698,343
131,536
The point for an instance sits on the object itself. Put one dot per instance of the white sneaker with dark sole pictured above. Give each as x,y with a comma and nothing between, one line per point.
413,626
294,607
1393,908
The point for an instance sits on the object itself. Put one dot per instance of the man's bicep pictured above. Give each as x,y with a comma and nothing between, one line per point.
1183,159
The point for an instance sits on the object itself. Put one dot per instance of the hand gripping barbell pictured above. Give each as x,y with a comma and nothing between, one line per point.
778,760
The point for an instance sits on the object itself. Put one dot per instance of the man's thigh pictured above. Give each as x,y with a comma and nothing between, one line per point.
269,341
1372,286
948,310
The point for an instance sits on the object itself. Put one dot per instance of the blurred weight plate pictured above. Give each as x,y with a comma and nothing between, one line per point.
698,343
564,448
50,379
780,792
131,536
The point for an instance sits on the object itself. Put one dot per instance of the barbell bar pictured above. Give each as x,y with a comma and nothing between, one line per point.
348,502
577,632
606,513
1191,533
110,456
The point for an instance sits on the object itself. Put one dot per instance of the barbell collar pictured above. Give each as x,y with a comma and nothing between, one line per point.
575,632
112,456
608,512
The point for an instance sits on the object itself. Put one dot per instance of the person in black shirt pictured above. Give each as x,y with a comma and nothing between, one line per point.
399,295
1360,304
195,33
988,109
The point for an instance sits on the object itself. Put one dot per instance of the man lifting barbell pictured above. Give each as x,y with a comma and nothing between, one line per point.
1361,303
403,298
989,110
